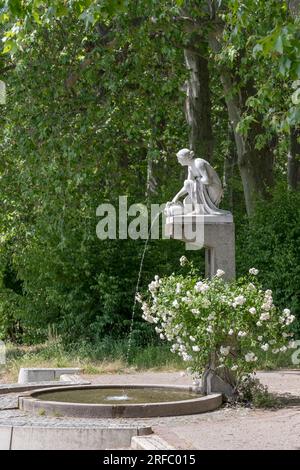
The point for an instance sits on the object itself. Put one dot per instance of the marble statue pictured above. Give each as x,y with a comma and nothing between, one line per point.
203,188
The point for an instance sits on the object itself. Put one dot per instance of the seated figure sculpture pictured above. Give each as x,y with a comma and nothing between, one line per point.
203,188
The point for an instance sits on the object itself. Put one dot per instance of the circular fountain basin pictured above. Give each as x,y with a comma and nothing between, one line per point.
116,401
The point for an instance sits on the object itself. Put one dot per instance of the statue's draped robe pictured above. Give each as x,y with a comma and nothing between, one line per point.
208,196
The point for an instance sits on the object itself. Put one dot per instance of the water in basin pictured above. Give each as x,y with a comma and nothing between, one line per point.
113,395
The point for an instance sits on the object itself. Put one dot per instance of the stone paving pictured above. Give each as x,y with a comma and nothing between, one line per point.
225,428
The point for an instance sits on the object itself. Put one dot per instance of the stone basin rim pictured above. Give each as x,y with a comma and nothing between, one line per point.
30,402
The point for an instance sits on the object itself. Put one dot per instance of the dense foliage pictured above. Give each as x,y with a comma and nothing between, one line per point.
96,93
232,319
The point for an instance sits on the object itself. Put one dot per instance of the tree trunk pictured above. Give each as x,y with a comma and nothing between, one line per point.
255,165
294,159
198,104
230,161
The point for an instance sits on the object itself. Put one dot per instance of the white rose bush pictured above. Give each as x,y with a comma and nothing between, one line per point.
232,319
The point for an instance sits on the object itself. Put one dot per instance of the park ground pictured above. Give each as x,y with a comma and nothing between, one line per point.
229,427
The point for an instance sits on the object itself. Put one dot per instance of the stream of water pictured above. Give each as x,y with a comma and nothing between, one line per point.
137,287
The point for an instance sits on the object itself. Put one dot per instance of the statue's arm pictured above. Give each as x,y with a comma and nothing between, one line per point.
190,174
204,175
180,193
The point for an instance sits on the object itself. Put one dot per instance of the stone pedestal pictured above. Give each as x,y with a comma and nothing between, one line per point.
214,233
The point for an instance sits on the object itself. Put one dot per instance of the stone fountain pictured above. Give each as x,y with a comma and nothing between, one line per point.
200,223
210,227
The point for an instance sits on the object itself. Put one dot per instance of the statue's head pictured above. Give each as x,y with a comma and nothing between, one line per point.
185,156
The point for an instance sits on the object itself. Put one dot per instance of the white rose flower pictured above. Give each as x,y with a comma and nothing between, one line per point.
153,286
259,338
230,332
198,286
286,312
240,300
192,339
283,348
241,334
158,330
234,367
201,287
178,288
264,316
175,303
161,336
220,273
292,345
186,357
290,319
252,310
265,347
209,329
253,271
224,350
259,323
196,348
250,357
266,306
183,260
195,311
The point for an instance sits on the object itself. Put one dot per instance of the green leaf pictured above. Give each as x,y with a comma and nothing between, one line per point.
257,48
15,6
10,47
278,47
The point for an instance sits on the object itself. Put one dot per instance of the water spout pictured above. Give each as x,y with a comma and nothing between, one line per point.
123,397
138,285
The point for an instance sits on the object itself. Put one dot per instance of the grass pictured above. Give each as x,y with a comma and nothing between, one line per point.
269,361
106,357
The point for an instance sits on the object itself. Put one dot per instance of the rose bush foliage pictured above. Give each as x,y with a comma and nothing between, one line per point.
232,319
